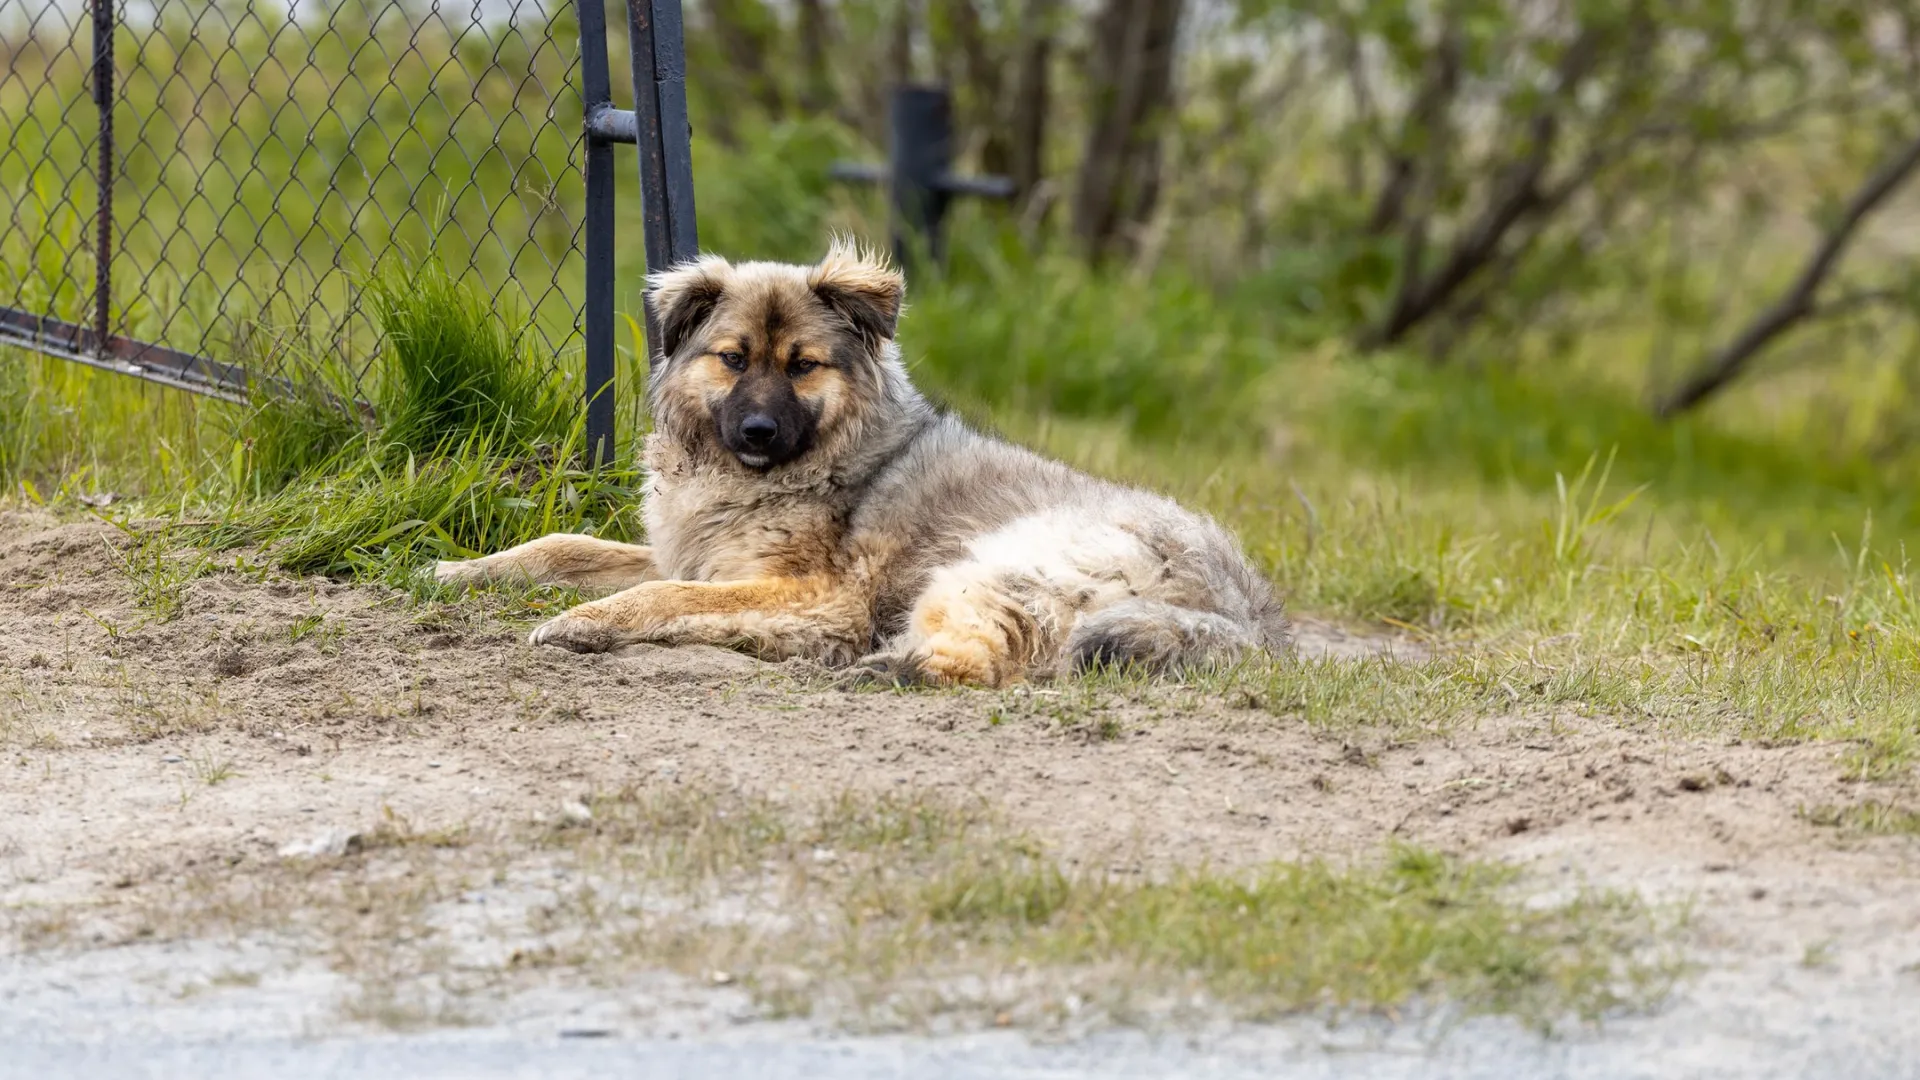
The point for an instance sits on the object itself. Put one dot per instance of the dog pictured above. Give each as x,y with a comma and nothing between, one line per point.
802,499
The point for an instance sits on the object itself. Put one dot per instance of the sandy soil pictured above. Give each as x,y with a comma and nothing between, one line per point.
313,705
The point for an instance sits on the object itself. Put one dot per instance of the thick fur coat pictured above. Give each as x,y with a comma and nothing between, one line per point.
803,500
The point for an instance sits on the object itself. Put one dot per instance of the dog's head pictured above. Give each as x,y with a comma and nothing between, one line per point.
770,359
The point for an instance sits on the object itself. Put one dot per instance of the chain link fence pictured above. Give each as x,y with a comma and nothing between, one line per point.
193,190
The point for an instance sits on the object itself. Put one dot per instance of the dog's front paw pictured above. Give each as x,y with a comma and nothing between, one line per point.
580,634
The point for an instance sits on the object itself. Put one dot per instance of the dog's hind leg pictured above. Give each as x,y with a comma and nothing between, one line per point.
967,628
818,617
559,559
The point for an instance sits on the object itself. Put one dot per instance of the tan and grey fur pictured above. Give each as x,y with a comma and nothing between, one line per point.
803,500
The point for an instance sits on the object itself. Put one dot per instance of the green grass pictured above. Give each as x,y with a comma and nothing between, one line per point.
474,448
908,910
1870,818
454,370
915,889
160,567
383,520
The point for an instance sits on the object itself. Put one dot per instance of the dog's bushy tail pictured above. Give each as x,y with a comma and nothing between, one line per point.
1159,636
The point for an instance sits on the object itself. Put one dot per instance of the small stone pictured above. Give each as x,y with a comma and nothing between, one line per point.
720,978
172,759
333,842
575,813
433,764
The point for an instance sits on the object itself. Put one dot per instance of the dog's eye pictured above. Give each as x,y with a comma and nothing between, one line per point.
802,366
734,360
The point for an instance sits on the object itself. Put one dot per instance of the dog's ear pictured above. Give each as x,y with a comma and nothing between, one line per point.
682,297
861,287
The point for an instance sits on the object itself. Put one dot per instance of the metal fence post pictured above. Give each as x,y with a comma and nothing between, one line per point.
103,241
919,173
922,153
596,91
658,125
658,45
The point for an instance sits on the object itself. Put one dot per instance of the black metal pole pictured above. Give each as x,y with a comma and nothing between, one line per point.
658,46
919,178
676,129
922,154
103,241
596,91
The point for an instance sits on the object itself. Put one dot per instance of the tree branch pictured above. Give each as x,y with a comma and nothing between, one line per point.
1419,131
1515,194
1798,302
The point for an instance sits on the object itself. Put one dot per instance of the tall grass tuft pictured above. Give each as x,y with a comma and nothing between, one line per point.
382,519
297,426
15,398
288,435
476,446
452,368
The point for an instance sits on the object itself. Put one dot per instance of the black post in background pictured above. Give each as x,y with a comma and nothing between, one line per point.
596,91
658,43
921,184
103,241
920,158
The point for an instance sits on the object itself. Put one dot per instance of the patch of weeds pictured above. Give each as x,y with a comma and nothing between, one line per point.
1886,756
1288,935
326,635
390,1006
903,890
1085,705
1377,692
876,907
235,979
1868,818
1772,693
162,712
395,831
160,572
211,771
40,928
112,629
1817,954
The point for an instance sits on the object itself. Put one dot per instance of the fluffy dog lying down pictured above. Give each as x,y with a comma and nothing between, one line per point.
805,501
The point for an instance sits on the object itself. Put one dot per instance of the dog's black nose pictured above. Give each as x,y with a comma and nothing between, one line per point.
759,429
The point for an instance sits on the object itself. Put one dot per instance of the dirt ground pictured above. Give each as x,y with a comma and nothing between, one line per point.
270,711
